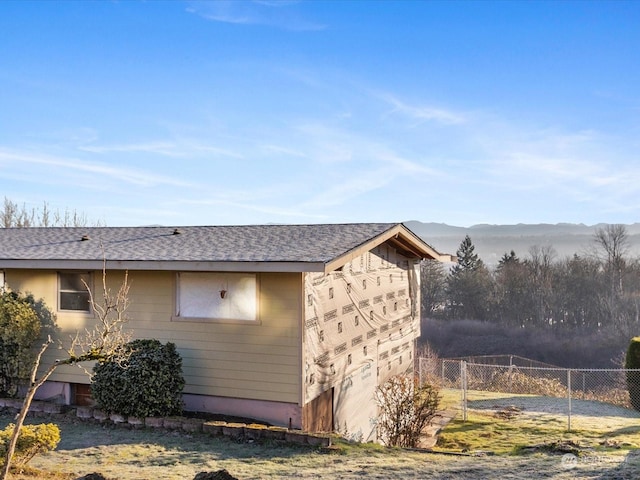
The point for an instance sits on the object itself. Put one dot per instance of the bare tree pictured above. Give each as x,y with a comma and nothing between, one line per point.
540,266
612,242
432,282
13,215
100,343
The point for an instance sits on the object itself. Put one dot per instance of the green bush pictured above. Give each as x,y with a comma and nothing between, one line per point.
33,439
632,361
19,329
144,380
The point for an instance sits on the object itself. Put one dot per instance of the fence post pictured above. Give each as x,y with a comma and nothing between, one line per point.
463,381
569,394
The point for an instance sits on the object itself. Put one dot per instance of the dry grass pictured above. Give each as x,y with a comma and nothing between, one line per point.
123,454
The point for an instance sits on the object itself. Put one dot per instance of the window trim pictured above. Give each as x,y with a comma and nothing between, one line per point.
176,317
59,291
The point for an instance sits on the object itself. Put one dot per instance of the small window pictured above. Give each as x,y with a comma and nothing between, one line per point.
364,284
339,327
391,278
378,281
1,281
348,288
349,359
356,320
364,350
73,293
321,335
310,300
331,292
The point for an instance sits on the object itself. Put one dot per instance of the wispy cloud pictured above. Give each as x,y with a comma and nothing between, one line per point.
280,150
351,165
582,166
278,14
177,149
101,170
422,113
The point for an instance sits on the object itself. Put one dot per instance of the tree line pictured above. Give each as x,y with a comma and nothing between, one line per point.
596,291
14,215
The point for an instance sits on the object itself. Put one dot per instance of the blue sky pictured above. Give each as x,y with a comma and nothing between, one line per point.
187,112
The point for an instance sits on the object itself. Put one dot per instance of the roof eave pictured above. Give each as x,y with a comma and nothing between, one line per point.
173,266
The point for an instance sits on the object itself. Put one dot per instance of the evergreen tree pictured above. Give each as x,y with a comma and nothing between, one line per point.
469,285
468,260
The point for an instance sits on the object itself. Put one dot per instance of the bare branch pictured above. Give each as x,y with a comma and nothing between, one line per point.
100,343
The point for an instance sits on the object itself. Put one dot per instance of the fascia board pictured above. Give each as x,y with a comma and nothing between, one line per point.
283,267
422,249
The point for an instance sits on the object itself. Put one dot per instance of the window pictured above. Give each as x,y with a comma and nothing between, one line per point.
1,281
73,294
220,296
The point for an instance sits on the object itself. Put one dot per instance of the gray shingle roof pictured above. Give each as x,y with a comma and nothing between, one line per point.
254,243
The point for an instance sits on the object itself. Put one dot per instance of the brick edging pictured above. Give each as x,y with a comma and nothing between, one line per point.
234,431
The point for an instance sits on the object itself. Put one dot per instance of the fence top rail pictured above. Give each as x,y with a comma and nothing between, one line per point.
552,369
506,356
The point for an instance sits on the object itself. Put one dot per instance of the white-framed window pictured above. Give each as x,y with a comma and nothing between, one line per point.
2,285
217,296
73,294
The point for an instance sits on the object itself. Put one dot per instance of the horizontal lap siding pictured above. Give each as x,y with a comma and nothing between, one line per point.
256,361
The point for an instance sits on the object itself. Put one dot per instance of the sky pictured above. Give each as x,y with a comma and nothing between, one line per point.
254,112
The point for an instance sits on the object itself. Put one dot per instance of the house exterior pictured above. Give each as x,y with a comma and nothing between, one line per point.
291,324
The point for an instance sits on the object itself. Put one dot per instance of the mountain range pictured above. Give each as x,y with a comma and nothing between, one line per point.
493,241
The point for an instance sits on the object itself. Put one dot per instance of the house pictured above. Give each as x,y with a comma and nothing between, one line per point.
291,324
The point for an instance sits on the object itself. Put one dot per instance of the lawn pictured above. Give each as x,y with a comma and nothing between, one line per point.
146,454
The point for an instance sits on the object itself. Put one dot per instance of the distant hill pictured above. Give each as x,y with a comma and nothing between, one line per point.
493,241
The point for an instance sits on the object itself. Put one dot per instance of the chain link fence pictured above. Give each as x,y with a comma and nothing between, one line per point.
583,398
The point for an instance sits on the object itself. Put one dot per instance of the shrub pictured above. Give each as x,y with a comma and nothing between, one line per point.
33,439
632,361
407,408
144,380
514,381
19,329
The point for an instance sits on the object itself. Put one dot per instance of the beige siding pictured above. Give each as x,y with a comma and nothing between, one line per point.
254,360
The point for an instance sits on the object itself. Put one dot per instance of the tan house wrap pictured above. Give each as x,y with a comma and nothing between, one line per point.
325,312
